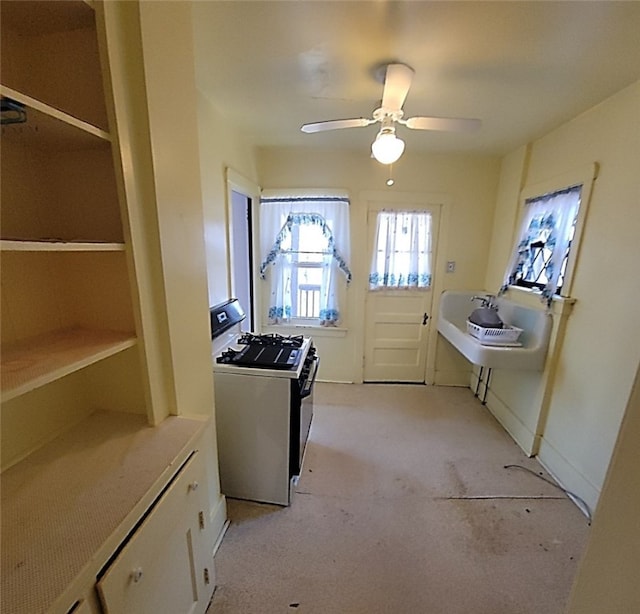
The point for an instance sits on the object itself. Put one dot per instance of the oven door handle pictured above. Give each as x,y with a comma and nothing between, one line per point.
308,387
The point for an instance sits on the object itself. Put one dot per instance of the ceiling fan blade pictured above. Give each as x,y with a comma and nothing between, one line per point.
442,123
337,124
396,86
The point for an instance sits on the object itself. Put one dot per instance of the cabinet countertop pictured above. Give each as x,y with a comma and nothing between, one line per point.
73,501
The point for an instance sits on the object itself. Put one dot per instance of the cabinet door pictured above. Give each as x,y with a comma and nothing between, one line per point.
84,607
160,567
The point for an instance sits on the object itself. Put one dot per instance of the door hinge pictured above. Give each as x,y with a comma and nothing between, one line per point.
201,519
207,579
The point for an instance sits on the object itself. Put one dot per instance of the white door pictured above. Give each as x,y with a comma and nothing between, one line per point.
398,321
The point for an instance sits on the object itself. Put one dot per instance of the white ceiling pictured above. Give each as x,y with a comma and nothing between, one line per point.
523,68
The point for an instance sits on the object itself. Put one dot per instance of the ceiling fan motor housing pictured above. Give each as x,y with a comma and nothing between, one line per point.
387,116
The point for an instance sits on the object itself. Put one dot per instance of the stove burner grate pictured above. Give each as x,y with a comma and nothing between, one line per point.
275,339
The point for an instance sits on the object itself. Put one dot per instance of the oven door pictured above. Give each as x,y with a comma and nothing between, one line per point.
301,414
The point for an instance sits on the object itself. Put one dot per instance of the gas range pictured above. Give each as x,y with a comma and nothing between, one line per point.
263,386
247,353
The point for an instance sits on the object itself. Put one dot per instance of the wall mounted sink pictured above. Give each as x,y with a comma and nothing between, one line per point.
455,308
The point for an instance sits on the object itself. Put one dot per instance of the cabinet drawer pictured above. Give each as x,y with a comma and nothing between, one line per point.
160,568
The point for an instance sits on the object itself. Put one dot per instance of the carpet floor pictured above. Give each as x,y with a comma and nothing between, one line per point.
406,504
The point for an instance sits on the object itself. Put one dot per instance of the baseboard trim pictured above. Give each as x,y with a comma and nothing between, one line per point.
518,430
570,478
451,378
221,536
218,520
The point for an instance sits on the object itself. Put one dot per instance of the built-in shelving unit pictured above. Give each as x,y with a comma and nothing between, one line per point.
84,456
66,296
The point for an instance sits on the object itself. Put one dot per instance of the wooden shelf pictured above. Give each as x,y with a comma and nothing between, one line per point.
12,245
50,128
70,504
38,361
42,18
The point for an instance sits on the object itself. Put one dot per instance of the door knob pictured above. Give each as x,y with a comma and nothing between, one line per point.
425,317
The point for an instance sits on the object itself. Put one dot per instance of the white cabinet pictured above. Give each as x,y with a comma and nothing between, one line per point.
75,502
167,565
92,438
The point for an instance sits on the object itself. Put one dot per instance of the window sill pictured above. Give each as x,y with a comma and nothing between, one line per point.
311,329
530,297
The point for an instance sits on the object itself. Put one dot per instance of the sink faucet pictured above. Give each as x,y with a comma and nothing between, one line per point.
486,301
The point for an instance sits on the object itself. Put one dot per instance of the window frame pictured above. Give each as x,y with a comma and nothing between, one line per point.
342,245
540,286
584,177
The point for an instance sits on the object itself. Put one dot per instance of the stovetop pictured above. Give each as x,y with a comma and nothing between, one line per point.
272,339
269,354
264,352
278,355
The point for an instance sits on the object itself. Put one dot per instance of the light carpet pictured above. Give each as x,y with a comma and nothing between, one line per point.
404,505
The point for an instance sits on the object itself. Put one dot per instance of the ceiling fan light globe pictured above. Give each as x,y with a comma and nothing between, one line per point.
387,148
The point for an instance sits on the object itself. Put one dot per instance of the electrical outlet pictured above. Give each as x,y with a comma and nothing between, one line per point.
451,266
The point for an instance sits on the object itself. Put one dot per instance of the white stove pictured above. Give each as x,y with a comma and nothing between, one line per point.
263,387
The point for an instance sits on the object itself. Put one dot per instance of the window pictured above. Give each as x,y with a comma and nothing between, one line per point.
309,248
402,250
546,236
305,242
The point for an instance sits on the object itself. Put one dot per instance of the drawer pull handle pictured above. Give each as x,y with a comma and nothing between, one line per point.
194,485
136,574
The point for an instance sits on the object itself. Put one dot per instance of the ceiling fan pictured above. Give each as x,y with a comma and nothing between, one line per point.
387,148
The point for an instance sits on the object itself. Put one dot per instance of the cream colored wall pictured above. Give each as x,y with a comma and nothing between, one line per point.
601,348
607,579
125,59
513,169
173,137
469,184
221,147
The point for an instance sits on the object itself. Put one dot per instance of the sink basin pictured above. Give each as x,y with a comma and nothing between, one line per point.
455,307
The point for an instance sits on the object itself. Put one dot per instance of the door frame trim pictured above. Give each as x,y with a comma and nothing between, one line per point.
236,182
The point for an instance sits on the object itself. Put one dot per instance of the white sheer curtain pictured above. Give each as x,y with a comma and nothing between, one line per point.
548,220
278,215
402,250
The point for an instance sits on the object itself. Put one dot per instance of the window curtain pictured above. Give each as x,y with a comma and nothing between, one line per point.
402,250
278,215
549,219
